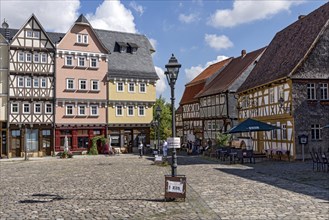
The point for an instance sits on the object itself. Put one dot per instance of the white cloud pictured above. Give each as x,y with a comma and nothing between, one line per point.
17,13
218,42
248,11
194,71
138,8
161,83
188,18
113,15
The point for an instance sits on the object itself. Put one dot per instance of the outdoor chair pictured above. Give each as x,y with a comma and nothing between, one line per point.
319,164
315,162
239,155
249,154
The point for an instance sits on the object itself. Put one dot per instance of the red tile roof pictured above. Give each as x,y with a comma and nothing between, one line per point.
197,84
230,73
288,49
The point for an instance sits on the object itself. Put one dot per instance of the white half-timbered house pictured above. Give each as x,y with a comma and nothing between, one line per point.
218,101
192,122
30,90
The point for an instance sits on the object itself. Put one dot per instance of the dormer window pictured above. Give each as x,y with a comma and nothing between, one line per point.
82,38
133,48
122,47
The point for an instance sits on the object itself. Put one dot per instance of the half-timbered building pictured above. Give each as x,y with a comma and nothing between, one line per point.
288,88
30,90
218,101
81,88
192,122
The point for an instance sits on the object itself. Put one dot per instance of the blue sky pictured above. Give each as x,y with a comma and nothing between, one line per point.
198,32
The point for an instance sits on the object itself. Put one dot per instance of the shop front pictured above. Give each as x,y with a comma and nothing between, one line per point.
79,138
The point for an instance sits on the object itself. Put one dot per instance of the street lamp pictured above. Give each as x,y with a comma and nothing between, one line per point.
158,114
172,74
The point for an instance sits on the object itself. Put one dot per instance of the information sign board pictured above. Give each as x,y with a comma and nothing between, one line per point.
173,142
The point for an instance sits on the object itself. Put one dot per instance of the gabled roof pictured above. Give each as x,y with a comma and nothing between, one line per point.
198,83
124,64
222,82
210,70
288,49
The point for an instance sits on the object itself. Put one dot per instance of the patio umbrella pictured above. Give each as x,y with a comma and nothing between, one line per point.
250,125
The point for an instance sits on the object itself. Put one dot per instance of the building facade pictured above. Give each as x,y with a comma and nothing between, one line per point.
81,87
4,64
193,126
291,92
30,90
218,100
131,89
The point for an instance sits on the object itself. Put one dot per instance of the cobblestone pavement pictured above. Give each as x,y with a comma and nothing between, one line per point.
126,187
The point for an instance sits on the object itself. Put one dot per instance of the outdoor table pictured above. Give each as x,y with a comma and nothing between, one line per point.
233,156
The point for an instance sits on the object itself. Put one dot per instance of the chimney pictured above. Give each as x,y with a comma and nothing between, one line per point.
301,16
243,53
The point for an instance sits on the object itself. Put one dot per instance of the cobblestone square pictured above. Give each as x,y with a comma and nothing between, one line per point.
127,187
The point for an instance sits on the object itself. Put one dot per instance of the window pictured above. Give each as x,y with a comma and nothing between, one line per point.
93,62
43,58
35,83
49,108
26,108
36,34
69,110
85,39
68,61
280,92
20,82
81,61
20,57
28,82
131,87
274,133
271,95
316,132
93,110
324,91
120,87
37,108
82,38
311,93
82,84
221,99
36,57
14,108
69,84
95,85
28,57
43,83
29,34
141,110
130,110
82,109
142,87
284,131
119,110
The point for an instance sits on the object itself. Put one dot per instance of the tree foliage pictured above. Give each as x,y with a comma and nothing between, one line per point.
165,119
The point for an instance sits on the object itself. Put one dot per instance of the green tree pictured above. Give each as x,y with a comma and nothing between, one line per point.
165,119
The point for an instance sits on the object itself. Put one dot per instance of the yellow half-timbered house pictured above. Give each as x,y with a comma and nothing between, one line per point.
288,88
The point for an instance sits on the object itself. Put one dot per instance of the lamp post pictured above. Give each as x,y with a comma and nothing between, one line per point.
158,114
172,74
